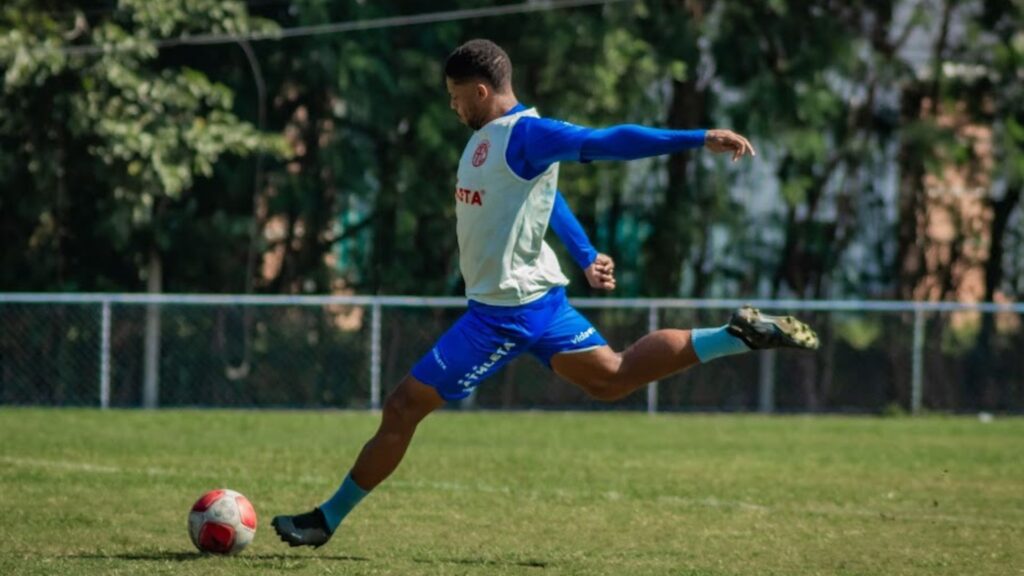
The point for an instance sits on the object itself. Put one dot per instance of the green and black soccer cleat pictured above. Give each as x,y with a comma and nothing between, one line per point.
762,331
309,529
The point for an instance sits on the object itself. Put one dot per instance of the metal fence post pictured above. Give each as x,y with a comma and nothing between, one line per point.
151,358
105,355
766,382
375,356
652,388
917,363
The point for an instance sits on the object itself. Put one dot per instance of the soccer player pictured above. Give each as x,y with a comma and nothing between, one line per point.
505,193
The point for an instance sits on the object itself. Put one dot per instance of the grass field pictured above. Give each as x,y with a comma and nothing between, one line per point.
88,492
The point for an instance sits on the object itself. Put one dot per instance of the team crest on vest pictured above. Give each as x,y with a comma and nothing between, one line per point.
480,155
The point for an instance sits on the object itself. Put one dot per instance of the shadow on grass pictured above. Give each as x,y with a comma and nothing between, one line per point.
189,556
193,556
483,562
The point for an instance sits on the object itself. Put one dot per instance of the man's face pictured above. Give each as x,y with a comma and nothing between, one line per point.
468,99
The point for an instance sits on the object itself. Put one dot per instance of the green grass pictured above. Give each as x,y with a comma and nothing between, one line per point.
88,492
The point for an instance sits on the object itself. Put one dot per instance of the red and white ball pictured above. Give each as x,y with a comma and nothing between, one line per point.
222,522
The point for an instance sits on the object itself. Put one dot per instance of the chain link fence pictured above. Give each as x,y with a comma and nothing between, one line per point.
346,352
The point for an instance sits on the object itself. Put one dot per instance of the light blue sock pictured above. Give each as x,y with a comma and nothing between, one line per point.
711,343
343,501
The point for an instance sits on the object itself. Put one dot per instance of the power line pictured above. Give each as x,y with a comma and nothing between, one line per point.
361,25
112,8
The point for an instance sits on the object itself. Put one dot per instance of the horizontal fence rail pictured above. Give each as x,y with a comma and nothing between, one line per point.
455,302
341,350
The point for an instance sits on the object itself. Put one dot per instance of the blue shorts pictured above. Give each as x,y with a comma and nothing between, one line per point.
486,337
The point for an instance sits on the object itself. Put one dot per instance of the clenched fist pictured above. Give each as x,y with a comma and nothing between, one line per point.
601,273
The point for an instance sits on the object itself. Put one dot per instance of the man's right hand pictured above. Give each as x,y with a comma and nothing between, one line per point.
601,273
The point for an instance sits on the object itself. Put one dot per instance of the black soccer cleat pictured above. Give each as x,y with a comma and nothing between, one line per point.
762,331
309,529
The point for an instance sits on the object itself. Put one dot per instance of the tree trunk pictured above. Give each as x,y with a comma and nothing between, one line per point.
385,219
677,223
980,383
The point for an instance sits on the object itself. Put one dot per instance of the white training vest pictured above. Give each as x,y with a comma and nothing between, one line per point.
502,220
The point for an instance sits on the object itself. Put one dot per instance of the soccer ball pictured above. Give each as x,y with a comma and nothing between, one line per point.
222,521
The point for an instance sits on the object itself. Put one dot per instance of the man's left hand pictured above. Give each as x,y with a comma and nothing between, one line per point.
601,273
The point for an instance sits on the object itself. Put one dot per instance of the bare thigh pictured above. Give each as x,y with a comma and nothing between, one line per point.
594,370
609,375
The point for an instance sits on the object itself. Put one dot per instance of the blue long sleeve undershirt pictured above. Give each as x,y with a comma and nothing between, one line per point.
571,233
537,143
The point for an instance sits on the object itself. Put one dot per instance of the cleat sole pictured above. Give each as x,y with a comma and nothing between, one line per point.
761,331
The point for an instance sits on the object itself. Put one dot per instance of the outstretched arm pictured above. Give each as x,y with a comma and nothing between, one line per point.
598,268
630,142
537,143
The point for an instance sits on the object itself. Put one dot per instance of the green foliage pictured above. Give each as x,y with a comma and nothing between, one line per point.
859,332
131,132
894,410
135,147
962,336
191,17
160,132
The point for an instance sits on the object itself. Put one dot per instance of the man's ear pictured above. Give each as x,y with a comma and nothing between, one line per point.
482,90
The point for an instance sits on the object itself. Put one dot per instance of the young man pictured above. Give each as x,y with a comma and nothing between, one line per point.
505,193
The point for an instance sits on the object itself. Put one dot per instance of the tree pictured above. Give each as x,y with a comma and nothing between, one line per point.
118,137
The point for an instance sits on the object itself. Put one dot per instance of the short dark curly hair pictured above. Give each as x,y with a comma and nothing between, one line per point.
480,59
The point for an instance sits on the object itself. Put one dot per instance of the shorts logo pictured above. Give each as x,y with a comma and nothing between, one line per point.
480,156
474,375
440,362
584,335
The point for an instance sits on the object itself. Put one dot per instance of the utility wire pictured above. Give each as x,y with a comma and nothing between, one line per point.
360,25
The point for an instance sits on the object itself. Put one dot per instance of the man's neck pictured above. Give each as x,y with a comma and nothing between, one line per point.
502,104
